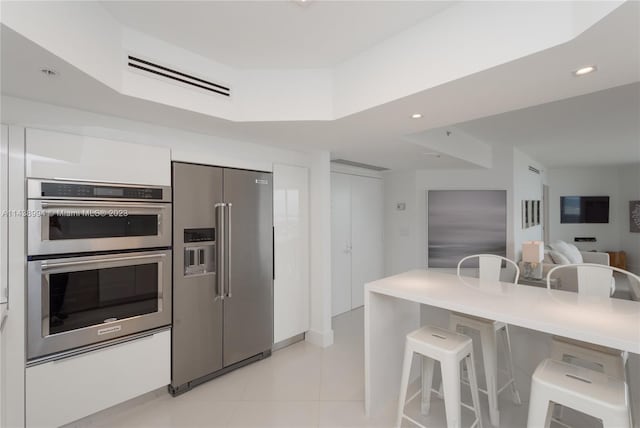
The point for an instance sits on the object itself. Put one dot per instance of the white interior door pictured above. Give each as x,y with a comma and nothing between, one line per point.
340,243
291,255
366,235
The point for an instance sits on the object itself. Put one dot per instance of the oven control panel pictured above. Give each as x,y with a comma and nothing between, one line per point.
85,191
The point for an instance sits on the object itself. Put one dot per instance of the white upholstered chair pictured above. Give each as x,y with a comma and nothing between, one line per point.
490,269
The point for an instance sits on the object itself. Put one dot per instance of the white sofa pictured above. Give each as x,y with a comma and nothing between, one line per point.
568,278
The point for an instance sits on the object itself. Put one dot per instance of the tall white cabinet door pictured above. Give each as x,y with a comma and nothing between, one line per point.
291,252
4,257
340,243
366,235
4,203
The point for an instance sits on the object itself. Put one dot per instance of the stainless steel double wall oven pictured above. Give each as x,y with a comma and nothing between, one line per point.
99,263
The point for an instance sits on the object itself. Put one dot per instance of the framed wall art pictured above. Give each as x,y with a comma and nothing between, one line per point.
465,222
634,216
531,213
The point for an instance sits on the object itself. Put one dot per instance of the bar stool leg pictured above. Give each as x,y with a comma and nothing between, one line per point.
451,387
427,382
540,408
510,370
404,383
490,357
473,382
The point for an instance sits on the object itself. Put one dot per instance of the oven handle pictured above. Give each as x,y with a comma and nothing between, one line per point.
47,266
45,307
83,205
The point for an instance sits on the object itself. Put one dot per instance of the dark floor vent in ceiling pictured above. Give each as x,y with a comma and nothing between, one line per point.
359,165
532,169
177,76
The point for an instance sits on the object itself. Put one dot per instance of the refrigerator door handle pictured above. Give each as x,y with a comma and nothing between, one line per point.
220,256
228,249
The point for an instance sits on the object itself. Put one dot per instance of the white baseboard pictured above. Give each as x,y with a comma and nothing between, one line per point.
320,339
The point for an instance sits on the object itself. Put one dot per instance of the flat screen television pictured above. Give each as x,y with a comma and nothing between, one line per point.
584,209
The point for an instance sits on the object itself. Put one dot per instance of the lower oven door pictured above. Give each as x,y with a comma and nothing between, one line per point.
79,301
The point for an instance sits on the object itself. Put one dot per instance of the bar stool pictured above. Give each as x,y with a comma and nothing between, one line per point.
585,390
449,348
593,280
609,361
490,267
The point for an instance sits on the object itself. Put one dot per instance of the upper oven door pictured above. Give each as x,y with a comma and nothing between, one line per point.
63,226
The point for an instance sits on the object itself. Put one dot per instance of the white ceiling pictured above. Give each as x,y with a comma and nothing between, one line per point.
377,136
602,128
273,34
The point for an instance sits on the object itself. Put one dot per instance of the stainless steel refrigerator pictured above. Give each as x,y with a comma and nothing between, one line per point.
222,271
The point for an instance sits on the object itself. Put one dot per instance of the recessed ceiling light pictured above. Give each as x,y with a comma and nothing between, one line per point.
585,70
416,115
48,72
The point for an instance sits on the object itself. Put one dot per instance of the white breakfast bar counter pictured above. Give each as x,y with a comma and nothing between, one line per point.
392,309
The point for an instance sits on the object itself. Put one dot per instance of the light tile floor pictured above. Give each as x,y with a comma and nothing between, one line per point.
298,386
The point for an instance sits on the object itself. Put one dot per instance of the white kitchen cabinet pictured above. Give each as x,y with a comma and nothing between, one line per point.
356,238
4,257
63,391
291,251
4,203
57,155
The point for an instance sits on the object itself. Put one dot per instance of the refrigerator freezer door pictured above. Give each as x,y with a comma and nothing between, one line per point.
197,313
248,309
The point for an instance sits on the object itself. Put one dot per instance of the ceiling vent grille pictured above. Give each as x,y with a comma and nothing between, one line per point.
533,169
359,165
158,70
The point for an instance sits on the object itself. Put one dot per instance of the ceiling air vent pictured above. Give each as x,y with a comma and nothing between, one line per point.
158,70
359,165
533,169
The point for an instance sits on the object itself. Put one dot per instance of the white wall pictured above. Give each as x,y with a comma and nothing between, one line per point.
527,185
587,181
499,177
320,332
401,226
629,191
406,231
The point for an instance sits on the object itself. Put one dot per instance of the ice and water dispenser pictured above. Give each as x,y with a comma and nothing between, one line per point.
199,251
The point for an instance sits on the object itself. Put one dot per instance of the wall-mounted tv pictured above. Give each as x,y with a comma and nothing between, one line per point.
584,209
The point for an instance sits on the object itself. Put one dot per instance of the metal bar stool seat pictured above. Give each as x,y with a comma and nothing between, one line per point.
450,349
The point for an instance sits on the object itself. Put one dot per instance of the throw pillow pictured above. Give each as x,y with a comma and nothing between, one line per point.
574,254
568,250
559,258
